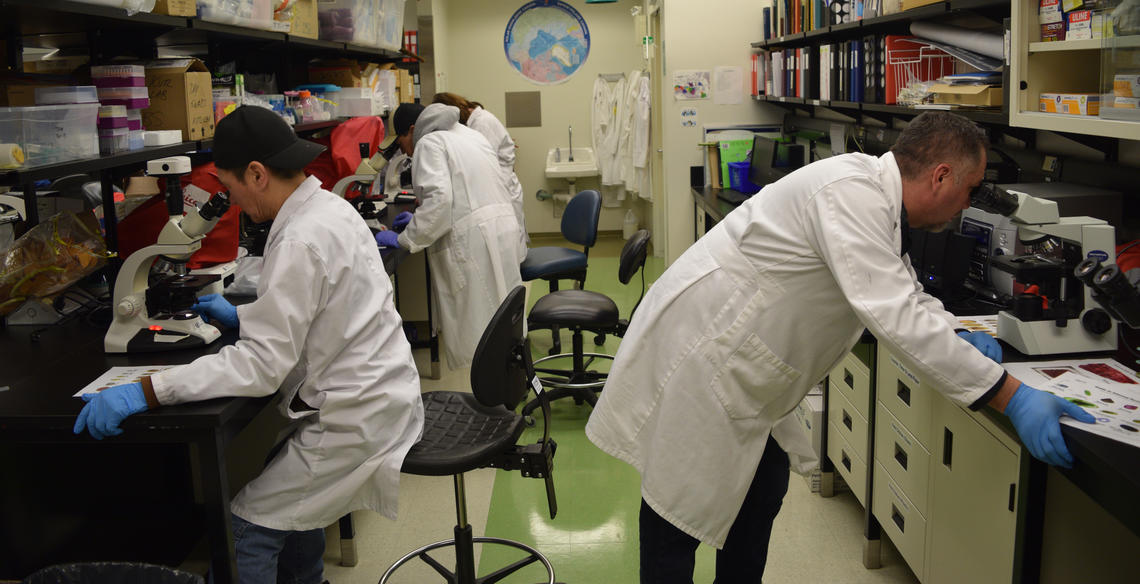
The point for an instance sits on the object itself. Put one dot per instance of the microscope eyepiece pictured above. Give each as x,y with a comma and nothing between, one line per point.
216,206
993,199
1086,270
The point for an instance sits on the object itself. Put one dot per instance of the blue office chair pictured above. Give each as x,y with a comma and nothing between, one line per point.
581,311
579,225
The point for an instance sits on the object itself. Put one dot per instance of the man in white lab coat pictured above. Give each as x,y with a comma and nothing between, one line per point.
465,220
323,334
756,312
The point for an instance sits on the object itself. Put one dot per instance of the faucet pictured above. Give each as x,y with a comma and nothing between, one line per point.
571,130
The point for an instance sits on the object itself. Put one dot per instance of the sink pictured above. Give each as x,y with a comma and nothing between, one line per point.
585,164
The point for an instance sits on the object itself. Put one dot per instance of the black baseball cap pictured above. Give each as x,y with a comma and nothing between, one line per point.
405,117
252,133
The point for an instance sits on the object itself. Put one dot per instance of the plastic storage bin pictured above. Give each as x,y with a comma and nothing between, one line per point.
66,95
738,177
248,13
351,21
357,101
110,572
59,133
11,138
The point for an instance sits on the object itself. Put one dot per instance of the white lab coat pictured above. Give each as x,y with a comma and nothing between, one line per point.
729,340
323,329
492,129
467,223
606,123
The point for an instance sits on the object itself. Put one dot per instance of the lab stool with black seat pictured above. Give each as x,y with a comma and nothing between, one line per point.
467,431
553,263
581,311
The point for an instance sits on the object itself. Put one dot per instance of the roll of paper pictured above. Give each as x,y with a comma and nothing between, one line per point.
11,156
986,43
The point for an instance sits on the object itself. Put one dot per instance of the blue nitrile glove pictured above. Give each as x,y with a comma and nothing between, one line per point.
388,239
401,221
218,308
106,409
1036,416
984,343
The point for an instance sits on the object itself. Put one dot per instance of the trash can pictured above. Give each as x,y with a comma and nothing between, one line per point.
111,573
738,173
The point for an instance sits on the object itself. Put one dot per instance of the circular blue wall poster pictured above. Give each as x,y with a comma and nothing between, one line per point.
546,41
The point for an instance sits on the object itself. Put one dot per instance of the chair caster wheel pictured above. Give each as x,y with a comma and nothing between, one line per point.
600,340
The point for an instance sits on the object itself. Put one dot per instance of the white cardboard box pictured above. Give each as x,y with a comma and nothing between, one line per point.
809,415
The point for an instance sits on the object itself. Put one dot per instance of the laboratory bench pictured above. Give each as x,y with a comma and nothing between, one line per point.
711,209
945,483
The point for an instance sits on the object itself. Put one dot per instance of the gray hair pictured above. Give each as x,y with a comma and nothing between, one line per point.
936,137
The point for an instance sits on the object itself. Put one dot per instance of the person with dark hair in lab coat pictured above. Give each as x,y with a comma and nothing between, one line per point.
465,221
474,116
323,334
729,340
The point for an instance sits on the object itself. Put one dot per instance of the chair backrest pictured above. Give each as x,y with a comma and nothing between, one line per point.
500,371
633,255
580,219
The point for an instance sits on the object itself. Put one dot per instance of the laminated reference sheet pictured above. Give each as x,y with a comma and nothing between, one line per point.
120,376
1103,387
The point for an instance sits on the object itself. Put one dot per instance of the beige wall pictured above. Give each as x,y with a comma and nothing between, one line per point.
469,60
701,35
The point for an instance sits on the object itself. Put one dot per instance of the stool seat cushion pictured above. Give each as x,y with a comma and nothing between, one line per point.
544,261
460,434
570,308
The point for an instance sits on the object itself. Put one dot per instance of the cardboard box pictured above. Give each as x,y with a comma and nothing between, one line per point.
304,20
1080,25
180,98
343,72
22,93
975,95
406,88
176,7
908,4
1126,85
1053,32
1049,11
1081,104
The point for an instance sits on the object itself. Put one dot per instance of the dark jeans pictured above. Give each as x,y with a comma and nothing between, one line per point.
667,553
271,556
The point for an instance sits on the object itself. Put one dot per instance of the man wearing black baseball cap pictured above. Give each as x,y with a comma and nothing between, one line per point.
325,334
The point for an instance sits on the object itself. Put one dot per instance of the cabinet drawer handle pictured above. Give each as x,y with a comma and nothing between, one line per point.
898,519
846,461
847,420
1012,495
900,456
947,446
904,393
848,378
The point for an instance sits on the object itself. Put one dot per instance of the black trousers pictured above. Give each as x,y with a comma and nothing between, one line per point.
668,554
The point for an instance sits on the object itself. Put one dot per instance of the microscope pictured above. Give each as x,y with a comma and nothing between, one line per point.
1056,312
152,316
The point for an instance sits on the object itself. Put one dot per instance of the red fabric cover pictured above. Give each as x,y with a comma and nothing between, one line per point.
1129,259
342,154
142,226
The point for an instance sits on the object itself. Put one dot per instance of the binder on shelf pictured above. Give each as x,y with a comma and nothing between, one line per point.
767,12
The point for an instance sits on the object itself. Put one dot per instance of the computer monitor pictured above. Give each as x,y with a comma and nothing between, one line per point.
771,160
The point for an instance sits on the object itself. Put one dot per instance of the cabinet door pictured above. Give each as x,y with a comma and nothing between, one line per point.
973,502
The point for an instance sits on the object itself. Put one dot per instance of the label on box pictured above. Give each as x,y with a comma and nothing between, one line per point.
1126,85
1049,11
1126,102
1080,19
1053,32
1070,5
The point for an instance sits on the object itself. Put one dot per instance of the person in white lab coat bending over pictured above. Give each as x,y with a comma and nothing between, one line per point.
465,220
323,334
474,116
756,312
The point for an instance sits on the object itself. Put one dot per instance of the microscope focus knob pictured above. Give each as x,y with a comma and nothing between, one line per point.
128,306
1096,321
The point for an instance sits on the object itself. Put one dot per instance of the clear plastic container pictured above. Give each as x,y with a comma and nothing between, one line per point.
59,133
131,97
66,95
136,139
114,141
125,71
11,138
249,13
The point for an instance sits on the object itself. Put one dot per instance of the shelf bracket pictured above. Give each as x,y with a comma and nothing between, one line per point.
884,117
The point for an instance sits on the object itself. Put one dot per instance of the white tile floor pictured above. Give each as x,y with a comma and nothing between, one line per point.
814,539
